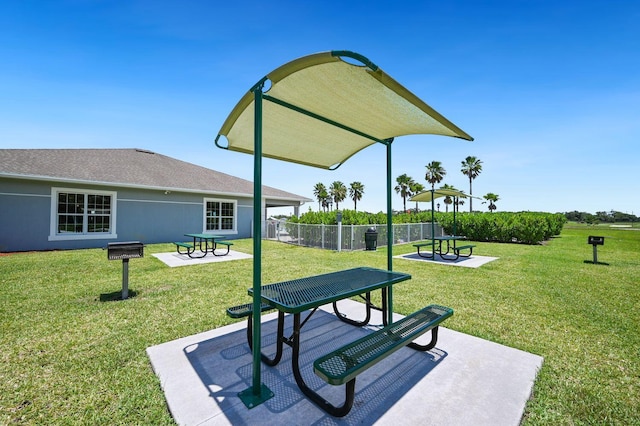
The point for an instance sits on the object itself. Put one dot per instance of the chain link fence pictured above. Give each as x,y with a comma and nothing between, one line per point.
345,237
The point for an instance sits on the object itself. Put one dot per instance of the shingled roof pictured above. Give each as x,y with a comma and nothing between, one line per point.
128,168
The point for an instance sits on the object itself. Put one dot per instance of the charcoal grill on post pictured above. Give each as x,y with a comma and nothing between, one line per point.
595,242
125,251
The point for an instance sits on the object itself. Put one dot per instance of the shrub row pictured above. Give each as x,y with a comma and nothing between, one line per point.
506,227
349,217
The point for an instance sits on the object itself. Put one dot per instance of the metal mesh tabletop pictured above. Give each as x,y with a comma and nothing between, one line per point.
305,293
205,236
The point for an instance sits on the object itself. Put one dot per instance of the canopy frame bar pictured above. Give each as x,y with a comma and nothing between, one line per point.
320,117
324,120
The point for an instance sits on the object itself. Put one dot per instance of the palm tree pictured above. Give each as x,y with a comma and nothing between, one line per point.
447,199
318,190
338,192
416,188
471,167
435,173
403,187
356,191
492,199
324,199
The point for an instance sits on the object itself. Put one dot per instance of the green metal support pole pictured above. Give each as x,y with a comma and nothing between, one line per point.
389,232
433,226
455,203
257,234
257,393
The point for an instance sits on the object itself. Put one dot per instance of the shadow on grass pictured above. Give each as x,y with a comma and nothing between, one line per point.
596,263
116,295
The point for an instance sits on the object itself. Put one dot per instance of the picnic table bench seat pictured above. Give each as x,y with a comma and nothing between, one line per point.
190,247
343,365
465,247
424,244
246,310
185,245
228,244
420,245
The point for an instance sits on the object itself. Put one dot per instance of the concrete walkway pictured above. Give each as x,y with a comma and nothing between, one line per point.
462,381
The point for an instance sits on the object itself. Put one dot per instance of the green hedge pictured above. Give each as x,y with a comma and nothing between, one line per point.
349,217
505,227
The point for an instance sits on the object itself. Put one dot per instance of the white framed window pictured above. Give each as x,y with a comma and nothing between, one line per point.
82,214
220,216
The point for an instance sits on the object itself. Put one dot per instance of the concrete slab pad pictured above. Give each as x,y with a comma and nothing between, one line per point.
174,259
467,262
463,380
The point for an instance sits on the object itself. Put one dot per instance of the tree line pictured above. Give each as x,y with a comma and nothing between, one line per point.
406,187
435,173
337,193
607,217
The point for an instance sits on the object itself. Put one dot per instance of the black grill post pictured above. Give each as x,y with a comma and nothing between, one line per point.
595,242
125,251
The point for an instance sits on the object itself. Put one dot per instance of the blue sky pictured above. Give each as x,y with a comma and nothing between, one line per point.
549,90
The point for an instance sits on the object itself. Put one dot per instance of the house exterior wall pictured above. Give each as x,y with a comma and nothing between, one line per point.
149,216
24,215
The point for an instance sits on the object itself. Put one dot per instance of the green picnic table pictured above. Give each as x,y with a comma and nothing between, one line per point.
450,246
343,365
204,243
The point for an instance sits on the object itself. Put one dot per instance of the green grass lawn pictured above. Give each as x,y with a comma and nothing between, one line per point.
72,355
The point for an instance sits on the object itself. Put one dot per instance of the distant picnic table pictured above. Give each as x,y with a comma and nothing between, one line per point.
436,244
204,243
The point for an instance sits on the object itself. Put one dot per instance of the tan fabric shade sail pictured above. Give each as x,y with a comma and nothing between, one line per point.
439,193
433,194
320,110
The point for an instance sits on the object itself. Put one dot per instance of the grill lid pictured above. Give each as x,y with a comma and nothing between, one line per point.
125,250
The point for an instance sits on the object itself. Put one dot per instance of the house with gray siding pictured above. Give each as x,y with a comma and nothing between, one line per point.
85,198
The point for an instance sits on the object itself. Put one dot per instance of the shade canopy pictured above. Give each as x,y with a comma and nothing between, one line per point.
439,193
320,110
323,108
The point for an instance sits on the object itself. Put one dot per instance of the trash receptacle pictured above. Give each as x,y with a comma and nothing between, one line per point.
371,239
